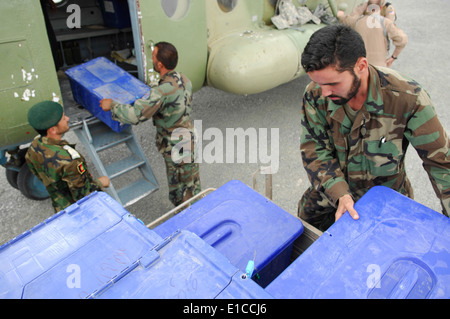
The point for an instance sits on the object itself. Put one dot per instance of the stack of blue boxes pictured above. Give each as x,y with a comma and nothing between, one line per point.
96,249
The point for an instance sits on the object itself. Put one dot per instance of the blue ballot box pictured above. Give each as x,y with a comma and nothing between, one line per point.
96,249
100,78
75,252
182,267
397,249
244,226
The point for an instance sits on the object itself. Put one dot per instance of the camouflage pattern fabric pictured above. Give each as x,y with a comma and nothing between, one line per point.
315,208
290,16
62,170
287,14
305,15
169,104
183,180
344,158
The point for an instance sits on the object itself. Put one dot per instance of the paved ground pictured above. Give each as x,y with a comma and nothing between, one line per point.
426,59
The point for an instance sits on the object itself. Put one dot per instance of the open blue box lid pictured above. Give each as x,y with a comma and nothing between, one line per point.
100,78
397,249
240,223
73,253
183,266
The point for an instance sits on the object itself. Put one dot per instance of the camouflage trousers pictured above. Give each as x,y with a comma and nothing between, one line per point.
183,180
316,209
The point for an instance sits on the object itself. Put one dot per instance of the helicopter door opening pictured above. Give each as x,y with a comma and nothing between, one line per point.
82,30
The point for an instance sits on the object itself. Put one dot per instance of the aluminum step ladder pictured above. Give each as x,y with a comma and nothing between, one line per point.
131,177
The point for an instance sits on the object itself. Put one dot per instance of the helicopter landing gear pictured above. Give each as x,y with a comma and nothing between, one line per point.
20,177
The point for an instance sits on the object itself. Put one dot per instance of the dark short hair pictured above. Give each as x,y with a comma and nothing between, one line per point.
336,45
167,55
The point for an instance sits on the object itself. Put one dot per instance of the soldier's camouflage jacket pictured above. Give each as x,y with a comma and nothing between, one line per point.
343,159
62,170
169,104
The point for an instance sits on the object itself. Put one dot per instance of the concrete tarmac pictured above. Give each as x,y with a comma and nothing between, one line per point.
425,59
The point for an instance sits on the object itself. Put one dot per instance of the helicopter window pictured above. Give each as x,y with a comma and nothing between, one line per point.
227,5
176,9
59,3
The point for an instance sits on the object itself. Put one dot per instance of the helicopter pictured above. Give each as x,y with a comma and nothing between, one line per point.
231,45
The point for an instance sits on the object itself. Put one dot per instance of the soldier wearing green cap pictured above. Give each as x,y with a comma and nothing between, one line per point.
169,104
56,162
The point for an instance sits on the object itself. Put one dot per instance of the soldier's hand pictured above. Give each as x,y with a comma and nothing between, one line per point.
105,104
346,204
104,180
390,61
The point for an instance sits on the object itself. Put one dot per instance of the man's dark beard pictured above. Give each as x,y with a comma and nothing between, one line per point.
353,91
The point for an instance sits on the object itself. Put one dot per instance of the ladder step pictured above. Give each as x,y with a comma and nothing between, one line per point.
103,137
135,191
104,142
97,136
123,166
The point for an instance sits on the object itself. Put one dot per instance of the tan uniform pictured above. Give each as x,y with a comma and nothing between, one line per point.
387,11
376,31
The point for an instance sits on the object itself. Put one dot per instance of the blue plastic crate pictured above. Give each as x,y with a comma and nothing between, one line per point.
100,78
397,249
75,252
243,225
183,266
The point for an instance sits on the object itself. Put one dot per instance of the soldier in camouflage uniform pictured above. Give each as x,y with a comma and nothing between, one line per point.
56,162
169,104
357,122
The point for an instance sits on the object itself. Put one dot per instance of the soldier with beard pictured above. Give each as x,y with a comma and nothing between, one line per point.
357,122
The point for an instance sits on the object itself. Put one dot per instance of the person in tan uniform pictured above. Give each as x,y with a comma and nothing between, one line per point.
374,21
